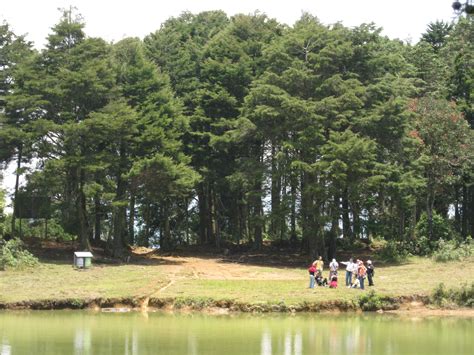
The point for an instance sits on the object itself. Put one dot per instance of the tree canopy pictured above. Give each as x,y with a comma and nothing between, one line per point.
216,130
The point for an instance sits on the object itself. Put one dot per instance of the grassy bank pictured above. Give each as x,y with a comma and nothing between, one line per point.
212,282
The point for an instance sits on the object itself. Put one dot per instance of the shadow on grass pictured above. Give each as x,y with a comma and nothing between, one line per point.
61,253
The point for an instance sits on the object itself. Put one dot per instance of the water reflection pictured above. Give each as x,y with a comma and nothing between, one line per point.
82,341
131,334
5,349
266,345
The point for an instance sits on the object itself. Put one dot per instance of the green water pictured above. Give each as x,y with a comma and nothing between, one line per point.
68,332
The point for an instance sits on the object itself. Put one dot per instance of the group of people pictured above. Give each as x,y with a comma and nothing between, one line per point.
356,272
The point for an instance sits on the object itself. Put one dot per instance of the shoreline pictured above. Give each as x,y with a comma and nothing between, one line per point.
411,306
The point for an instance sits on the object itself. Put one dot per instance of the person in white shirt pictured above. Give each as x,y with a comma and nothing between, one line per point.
333,266
350,265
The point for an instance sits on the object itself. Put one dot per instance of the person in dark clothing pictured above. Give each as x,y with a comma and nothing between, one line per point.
370,272
320,281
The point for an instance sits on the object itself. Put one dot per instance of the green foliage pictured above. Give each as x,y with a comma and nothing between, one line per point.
437,34
2,206
442,228
420,246
217,129
370,301
394,251
37,229
13,255
443,297
453,250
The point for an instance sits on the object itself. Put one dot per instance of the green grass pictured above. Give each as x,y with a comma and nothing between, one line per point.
417,276
58,281
51,281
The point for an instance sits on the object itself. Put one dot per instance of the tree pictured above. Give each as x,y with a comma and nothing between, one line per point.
158,168
74,80
17,103
445,145
437,34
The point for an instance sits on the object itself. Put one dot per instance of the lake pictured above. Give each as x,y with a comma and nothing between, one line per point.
87,332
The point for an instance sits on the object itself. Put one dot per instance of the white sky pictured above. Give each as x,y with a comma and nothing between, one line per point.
114,20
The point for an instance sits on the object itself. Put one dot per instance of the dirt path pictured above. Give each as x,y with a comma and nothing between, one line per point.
179,267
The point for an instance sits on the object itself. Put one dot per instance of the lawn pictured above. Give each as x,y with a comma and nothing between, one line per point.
193,277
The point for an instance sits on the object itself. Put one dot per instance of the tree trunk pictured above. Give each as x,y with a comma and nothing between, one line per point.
203,212
294,182
356,220
120,209
131,220
346,223
470,212
457,212
275,195
413,220
258,217
165,234
429,211
465,211
82,213
215,218
334,228
98,219
309,221
210,226
17,186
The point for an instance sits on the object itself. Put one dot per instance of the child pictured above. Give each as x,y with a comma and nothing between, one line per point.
333,283
319,279
355,284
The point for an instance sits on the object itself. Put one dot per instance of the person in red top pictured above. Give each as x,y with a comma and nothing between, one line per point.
361,274
311,271
333,283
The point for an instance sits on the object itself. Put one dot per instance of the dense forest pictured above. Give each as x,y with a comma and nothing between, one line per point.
220,131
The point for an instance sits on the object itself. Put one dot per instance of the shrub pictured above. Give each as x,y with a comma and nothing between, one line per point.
378,243
14,256
373,302
420,246
463,296
453,250
440,295
394,251
442,228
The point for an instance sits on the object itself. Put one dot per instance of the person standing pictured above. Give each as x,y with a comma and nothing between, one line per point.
333,266
320,265
349,268
370,272
361,274
311,271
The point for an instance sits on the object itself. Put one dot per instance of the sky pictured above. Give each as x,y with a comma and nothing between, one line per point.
115,20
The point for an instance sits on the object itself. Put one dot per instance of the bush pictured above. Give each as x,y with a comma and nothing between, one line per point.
378,243
14,256
373,302
442,228
453,250
463,296
36,229
394,251
420,246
